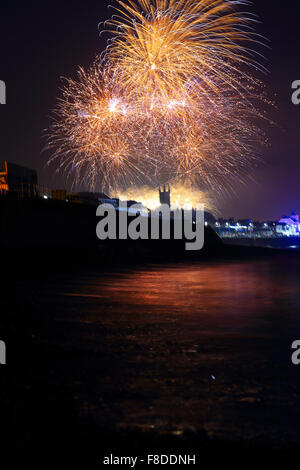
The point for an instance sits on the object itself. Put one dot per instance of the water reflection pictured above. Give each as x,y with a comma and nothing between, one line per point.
202,346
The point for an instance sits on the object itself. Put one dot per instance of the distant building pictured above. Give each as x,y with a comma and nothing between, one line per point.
165,195
91,199
209,219
245,222
289,225
293,219
17,178
59,194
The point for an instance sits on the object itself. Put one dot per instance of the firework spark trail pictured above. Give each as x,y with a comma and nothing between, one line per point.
172,99
97,132
165,45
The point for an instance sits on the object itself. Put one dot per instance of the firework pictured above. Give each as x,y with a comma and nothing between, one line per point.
218,143
162,46
171,100
182,197
97,133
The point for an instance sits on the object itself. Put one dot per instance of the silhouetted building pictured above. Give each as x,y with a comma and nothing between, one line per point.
17,178
59,194
91,199
165,195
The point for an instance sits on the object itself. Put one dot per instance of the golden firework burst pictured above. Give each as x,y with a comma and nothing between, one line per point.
172,100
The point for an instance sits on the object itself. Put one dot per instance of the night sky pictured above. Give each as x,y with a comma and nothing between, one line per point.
40,44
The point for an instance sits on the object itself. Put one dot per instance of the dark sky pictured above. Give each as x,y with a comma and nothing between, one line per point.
40,44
